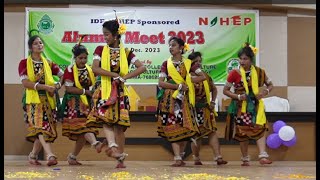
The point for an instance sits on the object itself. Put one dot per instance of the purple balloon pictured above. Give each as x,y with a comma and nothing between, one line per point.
277,125
291,142
274,141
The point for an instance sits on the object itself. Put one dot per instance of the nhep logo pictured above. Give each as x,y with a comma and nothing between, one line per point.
233,64
225,21
45,25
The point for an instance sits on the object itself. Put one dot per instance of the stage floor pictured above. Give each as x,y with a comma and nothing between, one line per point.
149,170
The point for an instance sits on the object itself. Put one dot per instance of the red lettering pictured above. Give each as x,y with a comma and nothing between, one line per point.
203,21
132,37
247,21
200,36
153,39
144,39
95,38
182,35
190,35
66,37
224,21
161,38
137,38
75,36
236,20
85,39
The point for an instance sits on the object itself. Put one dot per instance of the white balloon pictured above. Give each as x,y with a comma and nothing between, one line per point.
286,133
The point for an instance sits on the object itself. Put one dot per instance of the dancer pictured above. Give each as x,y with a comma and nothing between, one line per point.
205,115
111,102
78,78
246,117
39,105
176,121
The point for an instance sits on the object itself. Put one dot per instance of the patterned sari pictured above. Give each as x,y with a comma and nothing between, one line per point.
40,117
117,113
75,112
204,116
176,121
242,125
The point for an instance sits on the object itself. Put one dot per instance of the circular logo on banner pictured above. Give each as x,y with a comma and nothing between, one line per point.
233,64
45,25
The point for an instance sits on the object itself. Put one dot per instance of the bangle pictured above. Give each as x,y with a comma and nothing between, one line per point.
83,91
35,86
268,91
180,87
239,96
121,79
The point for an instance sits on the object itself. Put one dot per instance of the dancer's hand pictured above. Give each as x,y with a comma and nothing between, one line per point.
184,87
88,93
242,97
212,105
50,90
57,85
261,95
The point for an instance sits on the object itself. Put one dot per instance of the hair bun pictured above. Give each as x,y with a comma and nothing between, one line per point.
246,44
254,49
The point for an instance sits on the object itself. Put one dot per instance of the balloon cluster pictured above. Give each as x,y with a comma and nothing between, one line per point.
282,135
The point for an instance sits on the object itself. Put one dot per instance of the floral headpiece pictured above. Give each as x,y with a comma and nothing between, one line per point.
254,49
186,47
122,27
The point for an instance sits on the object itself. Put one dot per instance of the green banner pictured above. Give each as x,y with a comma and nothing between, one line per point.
217,34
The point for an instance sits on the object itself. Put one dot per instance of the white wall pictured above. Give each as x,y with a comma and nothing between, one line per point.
302,98
14,26
304,6
273,48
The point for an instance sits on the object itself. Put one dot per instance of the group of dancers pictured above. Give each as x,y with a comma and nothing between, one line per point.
96,97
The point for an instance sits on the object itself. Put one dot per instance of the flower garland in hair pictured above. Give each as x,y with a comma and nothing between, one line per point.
254,49
122,27
186,47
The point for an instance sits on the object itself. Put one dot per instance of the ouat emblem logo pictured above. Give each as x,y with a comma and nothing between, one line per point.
233,64
45,25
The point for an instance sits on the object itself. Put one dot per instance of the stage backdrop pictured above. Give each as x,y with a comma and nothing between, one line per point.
217,34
